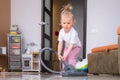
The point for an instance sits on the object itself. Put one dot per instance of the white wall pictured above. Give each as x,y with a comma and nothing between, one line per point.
103,18
27,14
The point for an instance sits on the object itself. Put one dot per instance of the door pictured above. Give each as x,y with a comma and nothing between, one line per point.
46,32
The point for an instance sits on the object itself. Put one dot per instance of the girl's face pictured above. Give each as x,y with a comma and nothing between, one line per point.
66,23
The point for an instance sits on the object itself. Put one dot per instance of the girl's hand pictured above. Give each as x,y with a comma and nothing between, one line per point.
65,57
60,57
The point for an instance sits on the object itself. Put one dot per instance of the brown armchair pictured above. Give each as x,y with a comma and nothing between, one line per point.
105,59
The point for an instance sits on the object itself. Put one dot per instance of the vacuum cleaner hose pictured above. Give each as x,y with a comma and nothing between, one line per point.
42,62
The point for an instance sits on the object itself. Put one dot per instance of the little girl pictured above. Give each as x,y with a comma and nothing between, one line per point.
69,35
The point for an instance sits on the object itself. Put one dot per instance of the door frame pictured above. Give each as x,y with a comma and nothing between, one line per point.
85,28
43,35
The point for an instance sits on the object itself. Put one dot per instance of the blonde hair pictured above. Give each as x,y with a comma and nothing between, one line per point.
67,11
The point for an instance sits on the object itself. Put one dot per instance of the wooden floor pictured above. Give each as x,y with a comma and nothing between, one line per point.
48,76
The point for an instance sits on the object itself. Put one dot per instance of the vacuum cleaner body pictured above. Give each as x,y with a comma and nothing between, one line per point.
69,70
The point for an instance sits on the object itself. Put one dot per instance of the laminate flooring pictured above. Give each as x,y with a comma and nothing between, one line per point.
50,76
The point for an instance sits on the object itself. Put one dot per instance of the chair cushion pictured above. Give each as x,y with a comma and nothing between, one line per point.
104,48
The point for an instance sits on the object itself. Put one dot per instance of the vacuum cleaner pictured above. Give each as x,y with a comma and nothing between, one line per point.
69,70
